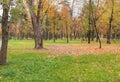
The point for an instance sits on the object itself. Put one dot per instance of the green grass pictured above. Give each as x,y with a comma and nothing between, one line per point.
29,44
78,41
38,67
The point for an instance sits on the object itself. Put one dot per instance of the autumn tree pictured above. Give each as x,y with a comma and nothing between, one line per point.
53,17
96,13
110,23
36,10
66,19
93,11
111,20
20,24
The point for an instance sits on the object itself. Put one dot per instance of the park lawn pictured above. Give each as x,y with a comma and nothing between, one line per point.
34,66
23,44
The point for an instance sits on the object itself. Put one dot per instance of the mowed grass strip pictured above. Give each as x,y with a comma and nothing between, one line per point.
37,67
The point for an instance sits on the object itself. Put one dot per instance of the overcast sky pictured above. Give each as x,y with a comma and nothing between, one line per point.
0,10
77,7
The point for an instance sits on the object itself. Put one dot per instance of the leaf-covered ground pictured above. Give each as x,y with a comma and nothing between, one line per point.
80,49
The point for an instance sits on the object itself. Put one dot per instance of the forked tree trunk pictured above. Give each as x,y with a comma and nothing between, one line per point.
37,32
36,23
3,52
97,34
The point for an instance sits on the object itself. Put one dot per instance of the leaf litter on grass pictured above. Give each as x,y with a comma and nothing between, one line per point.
78,49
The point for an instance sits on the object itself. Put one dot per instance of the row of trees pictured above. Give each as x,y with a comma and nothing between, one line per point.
54,19
77,27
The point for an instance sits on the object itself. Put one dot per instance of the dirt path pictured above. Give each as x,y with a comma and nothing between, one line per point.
81,49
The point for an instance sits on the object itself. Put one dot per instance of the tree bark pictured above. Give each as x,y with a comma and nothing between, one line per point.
93,20
3,53
37,32
36,23
93,34
54,33
109,33
89,36
89,25
67,33
97,34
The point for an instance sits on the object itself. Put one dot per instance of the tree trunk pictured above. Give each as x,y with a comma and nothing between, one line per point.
36,23
94,20
67,33
89,36
109,33
74,35
37,32
61,35
54,33
93,34
71,35
110,25
3,53
97,35
89,25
